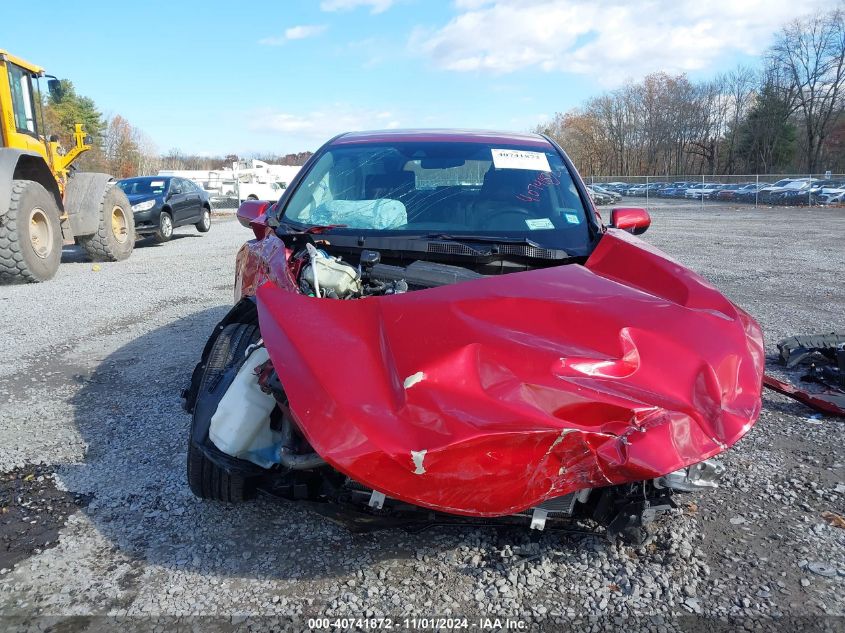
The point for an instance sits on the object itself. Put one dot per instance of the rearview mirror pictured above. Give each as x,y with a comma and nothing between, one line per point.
444,162
632,219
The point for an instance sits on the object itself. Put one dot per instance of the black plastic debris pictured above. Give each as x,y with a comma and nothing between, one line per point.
825,356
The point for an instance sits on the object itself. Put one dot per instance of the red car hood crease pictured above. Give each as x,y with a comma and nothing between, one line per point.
487,397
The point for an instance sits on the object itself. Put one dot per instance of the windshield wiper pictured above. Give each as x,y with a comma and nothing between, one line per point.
314,229
485,239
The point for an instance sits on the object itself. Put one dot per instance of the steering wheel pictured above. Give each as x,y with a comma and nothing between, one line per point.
507,210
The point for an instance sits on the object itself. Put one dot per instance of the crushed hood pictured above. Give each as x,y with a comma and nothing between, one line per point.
487,397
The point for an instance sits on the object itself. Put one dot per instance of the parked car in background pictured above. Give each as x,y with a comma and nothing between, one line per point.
727,192
768,193
690,192
702,191
617,186
599,197
825,188
797,193
162,203
834,197
749,192
674,190
654,188
615,197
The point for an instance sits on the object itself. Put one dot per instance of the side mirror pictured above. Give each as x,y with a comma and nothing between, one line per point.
54,86
632,219
251,210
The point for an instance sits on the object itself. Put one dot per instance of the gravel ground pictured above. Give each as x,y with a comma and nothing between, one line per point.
90,374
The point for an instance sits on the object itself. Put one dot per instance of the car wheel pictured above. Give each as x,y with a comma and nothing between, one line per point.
165,228
204,224
206,479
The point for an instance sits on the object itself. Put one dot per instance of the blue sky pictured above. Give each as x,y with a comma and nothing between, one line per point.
240,77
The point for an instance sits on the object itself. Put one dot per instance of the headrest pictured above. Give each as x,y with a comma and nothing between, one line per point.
390,185
505,184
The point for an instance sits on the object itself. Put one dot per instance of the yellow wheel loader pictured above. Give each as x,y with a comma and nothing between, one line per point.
44,202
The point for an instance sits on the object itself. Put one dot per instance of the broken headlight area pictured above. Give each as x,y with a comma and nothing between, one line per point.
253,423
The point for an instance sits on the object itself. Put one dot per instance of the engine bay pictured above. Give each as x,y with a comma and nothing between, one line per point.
322,275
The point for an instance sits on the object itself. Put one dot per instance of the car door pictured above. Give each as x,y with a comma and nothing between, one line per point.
178,201
193,201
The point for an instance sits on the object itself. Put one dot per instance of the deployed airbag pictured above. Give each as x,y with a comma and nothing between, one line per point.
361,214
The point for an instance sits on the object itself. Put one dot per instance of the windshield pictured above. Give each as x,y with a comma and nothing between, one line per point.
143,186
444,187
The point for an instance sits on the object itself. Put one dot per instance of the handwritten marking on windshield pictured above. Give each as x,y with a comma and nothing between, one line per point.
535,187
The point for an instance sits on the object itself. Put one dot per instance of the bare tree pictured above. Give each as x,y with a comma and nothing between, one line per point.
149,161
739,86
808,58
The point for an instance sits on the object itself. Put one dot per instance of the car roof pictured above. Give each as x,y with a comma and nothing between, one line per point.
441,135
146,178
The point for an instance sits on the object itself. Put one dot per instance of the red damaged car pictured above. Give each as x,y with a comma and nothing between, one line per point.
436,324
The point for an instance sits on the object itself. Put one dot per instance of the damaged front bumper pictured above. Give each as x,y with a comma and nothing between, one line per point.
511,397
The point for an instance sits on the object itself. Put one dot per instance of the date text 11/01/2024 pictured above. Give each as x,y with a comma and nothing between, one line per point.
419,624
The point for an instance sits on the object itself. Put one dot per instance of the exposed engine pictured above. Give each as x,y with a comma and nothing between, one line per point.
325,276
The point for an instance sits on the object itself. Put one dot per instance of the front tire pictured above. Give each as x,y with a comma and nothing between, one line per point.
206,479
204,225
30,235
115,236
165,228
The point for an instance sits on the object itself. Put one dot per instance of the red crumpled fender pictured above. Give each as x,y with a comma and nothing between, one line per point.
487,397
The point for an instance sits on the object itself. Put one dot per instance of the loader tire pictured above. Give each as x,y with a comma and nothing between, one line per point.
115,236
30,235
206,479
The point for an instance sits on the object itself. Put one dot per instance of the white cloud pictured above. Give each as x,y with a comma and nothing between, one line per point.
294,33
611,39
324,123
376,6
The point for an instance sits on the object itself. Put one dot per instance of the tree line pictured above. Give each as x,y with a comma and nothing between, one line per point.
121,149
786,116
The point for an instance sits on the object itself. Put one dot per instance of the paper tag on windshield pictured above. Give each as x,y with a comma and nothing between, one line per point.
520,159
572,218
540,223
157,183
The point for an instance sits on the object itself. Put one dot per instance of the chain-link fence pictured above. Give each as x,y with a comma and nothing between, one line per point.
797,190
